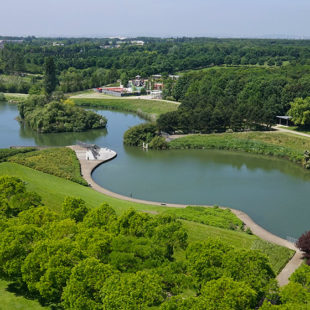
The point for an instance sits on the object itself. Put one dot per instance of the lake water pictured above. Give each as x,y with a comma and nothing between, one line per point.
275,193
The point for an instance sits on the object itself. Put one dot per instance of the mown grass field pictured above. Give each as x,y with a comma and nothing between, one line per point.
150,109
283,145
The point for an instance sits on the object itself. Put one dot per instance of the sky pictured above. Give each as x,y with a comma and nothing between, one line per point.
160,18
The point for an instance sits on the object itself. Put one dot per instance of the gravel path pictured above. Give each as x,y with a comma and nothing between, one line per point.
278,128
87,167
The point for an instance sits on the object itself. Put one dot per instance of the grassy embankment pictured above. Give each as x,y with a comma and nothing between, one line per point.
149,109
282,145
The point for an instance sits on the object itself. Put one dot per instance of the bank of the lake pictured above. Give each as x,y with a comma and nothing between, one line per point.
278,144
148,109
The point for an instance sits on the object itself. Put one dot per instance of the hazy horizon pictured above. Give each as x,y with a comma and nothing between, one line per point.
163,18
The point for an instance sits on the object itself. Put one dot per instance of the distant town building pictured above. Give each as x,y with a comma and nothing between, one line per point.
158,86
156,76
156,94
174,77
136,42
2,42
58,44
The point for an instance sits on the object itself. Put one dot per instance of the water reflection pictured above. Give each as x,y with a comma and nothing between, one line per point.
61,139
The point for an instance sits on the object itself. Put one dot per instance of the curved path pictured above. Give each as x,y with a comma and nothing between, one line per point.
281,129
88,166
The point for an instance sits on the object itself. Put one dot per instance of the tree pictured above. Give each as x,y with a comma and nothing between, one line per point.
226,294
74,208
15,244
303,244
124,79
82,291
132,291
47,269
50,80
302,276
294,293
101,217
256,270
95,242
300,111
205,259
38,216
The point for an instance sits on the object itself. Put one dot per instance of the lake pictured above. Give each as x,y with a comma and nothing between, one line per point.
274,192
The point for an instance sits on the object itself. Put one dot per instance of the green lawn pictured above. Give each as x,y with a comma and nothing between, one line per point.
150,109
279,144
11,301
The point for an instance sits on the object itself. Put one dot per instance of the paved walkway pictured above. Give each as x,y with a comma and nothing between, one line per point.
87,167
281,129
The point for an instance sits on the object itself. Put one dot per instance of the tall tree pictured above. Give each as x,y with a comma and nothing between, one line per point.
50,80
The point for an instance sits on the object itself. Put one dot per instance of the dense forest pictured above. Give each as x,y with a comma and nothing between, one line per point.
93,259
234,98
86,63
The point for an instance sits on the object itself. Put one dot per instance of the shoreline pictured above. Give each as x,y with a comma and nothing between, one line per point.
87,168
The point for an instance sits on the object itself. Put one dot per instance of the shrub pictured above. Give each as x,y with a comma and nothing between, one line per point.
303,244
136,135
158,143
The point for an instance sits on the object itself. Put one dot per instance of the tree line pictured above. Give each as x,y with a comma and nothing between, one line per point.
82,63
233,98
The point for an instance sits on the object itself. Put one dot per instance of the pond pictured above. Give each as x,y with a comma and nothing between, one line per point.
274,192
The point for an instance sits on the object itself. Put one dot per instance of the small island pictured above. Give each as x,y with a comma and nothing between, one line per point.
51,114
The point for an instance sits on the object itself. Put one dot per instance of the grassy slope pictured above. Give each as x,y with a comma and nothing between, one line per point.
11,301
152,108
282,145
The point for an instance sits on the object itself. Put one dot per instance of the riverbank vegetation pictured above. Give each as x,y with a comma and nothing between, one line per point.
281,145
61,162
149,109
125,250
48,114
222,218
5,154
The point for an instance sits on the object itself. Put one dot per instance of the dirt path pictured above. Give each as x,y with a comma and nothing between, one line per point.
278,128
88,166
